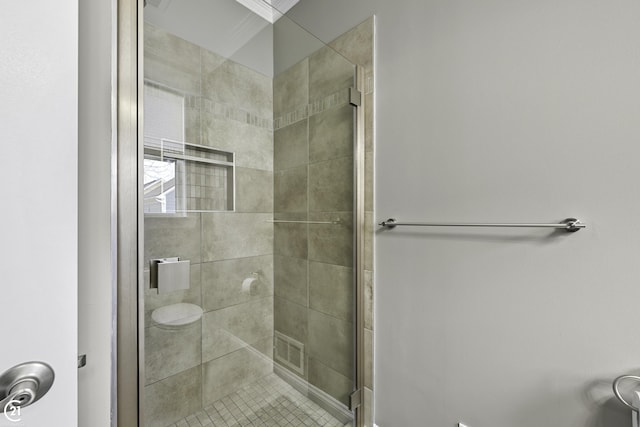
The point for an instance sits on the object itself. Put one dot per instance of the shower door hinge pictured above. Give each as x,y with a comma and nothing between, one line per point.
355,97
355,399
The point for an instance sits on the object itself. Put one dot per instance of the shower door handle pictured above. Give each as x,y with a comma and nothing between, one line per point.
23,385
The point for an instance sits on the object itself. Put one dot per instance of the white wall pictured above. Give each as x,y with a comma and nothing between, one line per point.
94,209
38,215
502,110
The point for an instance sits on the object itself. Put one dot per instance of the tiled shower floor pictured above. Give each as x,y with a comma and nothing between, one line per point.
269,402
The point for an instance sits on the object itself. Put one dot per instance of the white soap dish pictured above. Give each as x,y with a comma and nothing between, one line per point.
176,315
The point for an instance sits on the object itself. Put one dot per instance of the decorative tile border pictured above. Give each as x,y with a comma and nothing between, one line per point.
295,116
230,112
217,109
335,100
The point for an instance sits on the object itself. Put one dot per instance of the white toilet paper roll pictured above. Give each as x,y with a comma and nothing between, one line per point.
247,283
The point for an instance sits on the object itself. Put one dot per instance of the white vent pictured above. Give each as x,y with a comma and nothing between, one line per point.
289,352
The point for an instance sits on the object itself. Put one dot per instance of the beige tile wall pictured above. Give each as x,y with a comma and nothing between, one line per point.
313,178
300,171
313,168
228,107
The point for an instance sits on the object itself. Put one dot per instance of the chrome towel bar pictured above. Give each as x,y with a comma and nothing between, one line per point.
569,224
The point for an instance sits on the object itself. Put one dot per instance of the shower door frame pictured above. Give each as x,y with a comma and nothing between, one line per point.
129,353
128,231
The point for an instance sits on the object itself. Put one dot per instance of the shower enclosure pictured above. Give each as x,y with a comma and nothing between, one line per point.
251,207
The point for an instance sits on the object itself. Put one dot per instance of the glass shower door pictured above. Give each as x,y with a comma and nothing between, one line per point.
249,289
314,262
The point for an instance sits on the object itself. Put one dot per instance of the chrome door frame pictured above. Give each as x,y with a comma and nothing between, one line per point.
359,181
128,158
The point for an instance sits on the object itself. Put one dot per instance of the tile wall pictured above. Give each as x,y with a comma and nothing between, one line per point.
228,107
313,180
293,139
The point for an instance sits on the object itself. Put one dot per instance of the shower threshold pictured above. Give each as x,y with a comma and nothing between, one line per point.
268,402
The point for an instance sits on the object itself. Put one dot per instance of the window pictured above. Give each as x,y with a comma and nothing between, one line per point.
181,177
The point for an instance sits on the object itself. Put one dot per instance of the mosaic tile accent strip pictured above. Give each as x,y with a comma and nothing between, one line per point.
231,112
269,402
337,99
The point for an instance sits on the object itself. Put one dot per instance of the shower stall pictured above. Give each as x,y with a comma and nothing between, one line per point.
254,160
